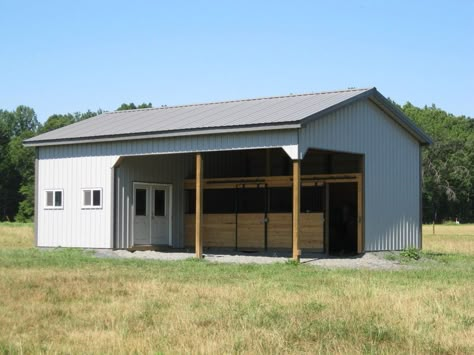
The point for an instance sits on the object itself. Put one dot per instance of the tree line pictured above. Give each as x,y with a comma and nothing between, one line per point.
448,164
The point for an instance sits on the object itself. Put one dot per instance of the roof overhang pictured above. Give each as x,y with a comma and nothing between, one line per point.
167,134
367,94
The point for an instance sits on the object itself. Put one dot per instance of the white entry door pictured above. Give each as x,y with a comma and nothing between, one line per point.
160,214
151,214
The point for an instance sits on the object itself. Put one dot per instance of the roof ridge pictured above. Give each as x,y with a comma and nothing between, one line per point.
164,107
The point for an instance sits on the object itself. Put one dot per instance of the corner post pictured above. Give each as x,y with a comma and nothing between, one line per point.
296,209
199,193
36,192
360,214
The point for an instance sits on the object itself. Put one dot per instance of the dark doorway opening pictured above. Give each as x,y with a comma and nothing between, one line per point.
343,218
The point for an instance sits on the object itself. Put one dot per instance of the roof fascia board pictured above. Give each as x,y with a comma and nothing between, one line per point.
173,134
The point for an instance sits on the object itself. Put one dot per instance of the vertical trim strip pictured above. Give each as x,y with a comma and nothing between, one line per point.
112,208
36,202
361,212
420,178
360,218
326,217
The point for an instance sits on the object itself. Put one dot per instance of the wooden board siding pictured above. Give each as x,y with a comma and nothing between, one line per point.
269,181
279,230
312,231
189,230
251,230
219,231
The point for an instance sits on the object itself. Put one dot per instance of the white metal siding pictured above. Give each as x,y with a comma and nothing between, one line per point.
164,169
185,144
392,184
391,177
72,168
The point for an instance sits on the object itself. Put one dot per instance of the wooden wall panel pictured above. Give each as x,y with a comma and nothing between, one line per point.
219,230
189,230
279,230
312,231
251,230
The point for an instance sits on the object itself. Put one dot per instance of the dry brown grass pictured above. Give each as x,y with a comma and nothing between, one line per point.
449,238
68,302
16,235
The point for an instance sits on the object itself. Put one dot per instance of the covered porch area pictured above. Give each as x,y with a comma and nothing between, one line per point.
241,201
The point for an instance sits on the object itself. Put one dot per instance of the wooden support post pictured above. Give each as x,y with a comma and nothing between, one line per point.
199,193
296,209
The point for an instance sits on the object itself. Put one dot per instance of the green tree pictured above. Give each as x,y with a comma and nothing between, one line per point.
448,165
16,162
21,120
22,159
132,106
57,120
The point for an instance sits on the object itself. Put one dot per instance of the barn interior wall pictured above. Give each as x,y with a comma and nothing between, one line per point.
258,216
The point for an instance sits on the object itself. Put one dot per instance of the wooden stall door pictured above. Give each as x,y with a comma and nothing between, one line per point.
251,218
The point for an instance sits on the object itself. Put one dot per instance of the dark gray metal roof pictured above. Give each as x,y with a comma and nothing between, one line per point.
267,113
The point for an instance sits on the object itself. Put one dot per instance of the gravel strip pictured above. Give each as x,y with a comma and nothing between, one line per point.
372,261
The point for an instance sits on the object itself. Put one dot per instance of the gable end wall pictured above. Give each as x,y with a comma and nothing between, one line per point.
392,170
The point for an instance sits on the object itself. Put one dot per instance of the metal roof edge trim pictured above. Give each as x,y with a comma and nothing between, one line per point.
401,118
171,134
335,107
383,104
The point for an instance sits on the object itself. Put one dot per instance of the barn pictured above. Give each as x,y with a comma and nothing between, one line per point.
334,172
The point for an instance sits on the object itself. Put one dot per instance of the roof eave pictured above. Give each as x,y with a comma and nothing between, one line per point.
168,134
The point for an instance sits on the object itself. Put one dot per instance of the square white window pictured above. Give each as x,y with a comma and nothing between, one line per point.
92,198
54,199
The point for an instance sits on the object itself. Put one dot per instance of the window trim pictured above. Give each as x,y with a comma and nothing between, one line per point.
91,206
46,207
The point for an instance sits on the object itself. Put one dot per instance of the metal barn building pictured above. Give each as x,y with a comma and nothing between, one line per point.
333,172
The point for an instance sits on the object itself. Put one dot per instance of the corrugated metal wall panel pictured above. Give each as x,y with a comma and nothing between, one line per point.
186,144
391,170
73,226
161,169
391,177
73,167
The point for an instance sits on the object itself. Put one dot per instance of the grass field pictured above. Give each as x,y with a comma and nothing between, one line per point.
66,301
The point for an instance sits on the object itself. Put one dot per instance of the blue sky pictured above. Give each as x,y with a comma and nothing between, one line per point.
68,56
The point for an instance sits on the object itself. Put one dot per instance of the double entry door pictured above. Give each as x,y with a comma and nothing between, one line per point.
151,214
